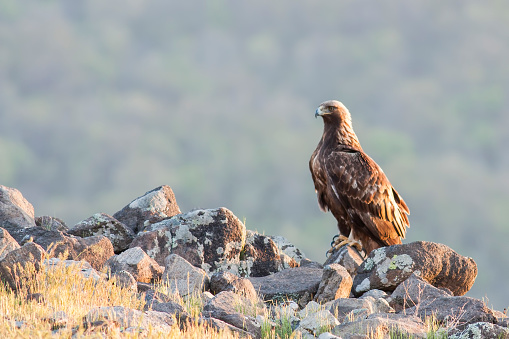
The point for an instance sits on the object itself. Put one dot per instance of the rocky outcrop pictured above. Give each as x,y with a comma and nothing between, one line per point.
15,211
387,267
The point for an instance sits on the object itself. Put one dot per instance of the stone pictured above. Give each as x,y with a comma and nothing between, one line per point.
311,307
83,268
328,335
262,256
375,294
341,307
226,281
15,211
102,224
380,325
138,263
346,256
12,266
156,243
480,330
172,308
184,278
210,239
51,223
387,267
127,318
152,207
124,279
414,290
355,315
220,325
318,321
7,243
55,243
336,283
310,263
460,310
95,250
286,247
289,284
236,311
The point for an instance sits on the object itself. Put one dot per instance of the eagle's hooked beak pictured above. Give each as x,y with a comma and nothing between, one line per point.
318,112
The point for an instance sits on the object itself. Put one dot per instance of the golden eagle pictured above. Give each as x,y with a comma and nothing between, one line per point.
369,211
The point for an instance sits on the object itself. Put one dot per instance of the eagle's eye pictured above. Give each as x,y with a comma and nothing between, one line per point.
332,108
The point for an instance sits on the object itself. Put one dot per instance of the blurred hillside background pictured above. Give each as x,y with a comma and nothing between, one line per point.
101,101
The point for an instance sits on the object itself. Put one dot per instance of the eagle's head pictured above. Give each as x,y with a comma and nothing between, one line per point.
333,111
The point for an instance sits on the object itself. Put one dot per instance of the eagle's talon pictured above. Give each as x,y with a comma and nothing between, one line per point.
340,240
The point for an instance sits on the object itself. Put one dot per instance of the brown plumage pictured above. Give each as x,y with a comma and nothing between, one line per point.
352,186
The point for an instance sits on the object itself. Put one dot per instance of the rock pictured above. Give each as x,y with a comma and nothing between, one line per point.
289,284
172,308
375,294
462,310
15,211
7,243
157,243
184,278
138,263
95,250
481,330
211,239
318,321
102,224
37,297
355,315
152,207
336,283
58,320
414,290
341,307
130,318
346,256
226,281
309,263
387,267
380,325
328,335
85,269
262,256
55,243
311,307
124,279
235,310
220,325
286,247
51,223
12,266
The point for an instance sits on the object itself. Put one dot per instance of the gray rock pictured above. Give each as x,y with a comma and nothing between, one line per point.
317,321
235,310
355,315
462,310
480,330
125,280
262,256
387,267
55,243
138,263
152,207
341,307
226,281
286,247
83,268
211,239
380,325
15,211
414,290
310,263
51,223
156,243
336,283
348,257
102,224
289,284
128,318
14,263
375,294
95,250
328,335
183,277
7,243
220,325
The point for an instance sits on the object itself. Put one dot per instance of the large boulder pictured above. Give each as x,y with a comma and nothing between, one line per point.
211,239
138,263
387,267
336,283
152,207
13,265
102,224
7,243
346,256
227,281
290,284
380,325
15,211
182,277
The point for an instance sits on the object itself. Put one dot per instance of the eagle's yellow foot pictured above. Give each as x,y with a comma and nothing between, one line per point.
340,240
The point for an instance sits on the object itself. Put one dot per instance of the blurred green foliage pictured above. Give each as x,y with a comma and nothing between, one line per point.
101,101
